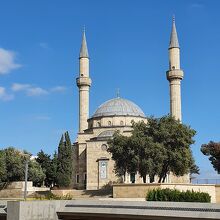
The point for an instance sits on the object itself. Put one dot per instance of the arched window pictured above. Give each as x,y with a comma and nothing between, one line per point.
109,123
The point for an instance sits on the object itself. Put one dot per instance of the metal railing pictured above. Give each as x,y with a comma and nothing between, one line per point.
205,181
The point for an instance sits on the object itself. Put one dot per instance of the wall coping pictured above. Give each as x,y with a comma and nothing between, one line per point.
161,184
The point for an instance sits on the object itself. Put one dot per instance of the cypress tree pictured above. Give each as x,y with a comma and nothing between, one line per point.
64,165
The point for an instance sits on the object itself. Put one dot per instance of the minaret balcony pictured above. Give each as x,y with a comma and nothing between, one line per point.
83,81
175,74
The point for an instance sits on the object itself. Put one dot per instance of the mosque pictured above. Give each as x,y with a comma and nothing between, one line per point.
92,164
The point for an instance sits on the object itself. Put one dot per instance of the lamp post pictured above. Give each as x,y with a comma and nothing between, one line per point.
26,160
26,179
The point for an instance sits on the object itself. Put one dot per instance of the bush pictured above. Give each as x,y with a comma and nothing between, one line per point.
174,195
51,196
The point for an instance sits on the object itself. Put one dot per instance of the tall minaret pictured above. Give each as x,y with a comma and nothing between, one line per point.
175,75
83,83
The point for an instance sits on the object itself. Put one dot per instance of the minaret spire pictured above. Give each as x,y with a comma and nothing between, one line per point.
174,43
83,83
175,74
84,50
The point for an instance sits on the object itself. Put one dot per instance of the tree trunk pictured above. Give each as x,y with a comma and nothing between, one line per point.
159,181
163,174
164,178
144,178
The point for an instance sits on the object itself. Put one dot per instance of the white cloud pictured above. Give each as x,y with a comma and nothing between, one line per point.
7,61
31,90
4,95
20,87
58,89
36,91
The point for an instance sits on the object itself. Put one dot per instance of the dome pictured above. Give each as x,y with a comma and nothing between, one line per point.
120,107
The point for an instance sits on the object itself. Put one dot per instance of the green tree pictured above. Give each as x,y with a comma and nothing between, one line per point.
212,150
3,171
123,153
150,153
175,138
14,164
35,173
47,165
64,165
157,148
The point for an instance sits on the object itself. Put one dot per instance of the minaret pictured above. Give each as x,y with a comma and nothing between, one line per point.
175,75
83,83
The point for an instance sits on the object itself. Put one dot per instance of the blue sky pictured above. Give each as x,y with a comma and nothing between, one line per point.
128,41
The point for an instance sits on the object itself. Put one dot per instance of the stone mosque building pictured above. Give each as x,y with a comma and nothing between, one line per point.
93,167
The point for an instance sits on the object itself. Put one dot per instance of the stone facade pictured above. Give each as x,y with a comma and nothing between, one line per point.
91,153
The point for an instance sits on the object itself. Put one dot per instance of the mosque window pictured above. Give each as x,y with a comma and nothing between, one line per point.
121,123
103,169
77,178
104,147
109,123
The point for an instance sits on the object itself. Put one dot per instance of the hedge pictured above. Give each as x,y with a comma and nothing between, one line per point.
174,195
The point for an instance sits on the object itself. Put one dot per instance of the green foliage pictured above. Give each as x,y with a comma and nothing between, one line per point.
174,195
212,150
35,173
49,167
156,148
51,196
12,167
14,164
64,163
3,171
120,147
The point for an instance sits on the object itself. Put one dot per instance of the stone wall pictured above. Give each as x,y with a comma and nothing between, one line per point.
109,210
140,190
217,192
34,210
16,189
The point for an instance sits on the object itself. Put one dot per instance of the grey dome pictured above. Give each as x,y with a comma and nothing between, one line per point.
118,106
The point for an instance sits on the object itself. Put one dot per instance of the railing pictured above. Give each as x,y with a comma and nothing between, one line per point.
205,181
